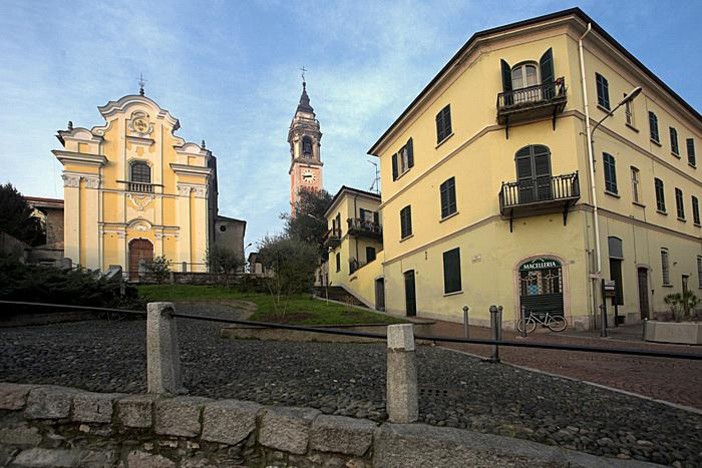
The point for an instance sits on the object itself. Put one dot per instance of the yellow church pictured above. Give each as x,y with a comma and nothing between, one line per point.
134,190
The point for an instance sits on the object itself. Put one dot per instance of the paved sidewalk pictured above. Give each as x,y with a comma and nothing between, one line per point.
673,380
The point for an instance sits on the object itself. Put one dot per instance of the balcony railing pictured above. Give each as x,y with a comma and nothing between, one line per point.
140,187
365,228
332,237
533,102
542,195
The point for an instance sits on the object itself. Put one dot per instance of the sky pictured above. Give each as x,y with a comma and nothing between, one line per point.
230,72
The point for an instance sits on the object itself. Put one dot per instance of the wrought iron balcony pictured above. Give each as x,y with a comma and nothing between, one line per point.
533,102
543,195
361,228
332,238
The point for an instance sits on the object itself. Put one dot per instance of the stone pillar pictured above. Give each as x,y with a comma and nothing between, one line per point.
162,352
402,403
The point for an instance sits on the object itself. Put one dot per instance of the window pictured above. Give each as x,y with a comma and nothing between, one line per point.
674,142
653,124
403,160
635,180
452,271
406,222
660,195
695,210
525,75
338,262
629,112
140,172
610,173
679,203
691,152
699,272
307,146
370,254
336,224
443,124
602,91
665,267
448,197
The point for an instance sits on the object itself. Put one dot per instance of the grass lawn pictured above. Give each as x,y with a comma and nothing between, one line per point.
301,309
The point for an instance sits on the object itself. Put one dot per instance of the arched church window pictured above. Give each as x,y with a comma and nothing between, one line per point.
307,146
140,172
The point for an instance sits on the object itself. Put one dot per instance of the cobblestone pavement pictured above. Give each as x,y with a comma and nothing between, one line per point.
673,380
455,390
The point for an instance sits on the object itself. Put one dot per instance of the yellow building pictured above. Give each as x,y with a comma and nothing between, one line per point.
488,189
355,243
134,190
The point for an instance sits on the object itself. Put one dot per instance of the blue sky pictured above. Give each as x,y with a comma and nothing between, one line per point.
229,70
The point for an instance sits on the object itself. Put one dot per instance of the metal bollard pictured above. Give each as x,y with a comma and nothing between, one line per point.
162,352
645,322
466,331
603,320
495,325
522,320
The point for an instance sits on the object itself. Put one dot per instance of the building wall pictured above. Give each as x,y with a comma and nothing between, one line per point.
480,157
232,236
104,214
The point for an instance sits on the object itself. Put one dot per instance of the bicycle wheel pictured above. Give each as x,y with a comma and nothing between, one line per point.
557,323
529,323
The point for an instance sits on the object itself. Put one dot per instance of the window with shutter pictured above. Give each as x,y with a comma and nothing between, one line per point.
674,142
452,271
665,267
635,180
695,210
370,254
679,203
602,91
660,195
338,262
443,124
699,272
448,197
406,222
395,171
653,125
610,173
691,151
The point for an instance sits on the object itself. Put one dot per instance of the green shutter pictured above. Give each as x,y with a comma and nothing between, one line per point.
410,153
394,166
546,64
506,76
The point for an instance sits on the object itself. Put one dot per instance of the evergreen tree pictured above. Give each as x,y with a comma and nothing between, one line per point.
16,217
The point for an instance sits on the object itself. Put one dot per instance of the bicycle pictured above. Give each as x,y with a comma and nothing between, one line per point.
555,323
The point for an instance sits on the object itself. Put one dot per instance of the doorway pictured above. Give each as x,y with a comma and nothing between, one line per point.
643,292
139,250
410,295
380,294
541,286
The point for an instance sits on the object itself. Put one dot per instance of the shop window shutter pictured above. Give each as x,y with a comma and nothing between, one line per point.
394,166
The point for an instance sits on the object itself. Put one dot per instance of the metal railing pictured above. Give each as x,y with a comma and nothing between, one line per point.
360,226
541,189
532,95
140,187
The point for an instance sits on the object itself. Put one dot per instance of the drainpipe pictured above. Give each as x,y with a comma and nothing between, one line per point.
591,167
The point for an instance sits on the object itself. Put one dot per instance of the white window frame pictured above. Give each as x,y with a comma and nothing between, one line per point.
635,184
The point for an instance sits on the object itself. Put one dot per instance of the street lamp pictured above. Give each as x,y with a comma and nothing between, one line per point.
593,184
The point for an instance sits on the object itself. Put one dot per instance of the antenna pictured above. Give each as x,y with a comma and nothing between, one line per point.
375,186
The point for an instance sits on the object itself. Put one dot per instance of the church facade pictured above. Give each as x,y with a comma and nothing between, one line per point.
304,139
134,190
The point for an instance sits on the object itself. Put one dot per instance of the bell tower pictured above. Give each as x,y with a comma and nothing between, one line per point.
304,139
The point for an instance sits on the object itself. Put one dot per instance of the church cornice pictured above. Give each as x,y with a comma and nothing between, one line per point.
80,158
115,107
185,169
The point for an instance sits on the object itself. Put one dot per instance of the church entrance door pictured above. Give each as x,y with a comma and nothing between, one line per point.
140,250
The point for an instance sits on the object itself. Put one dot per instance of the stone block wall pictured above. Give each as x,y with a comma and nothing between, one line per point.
45,426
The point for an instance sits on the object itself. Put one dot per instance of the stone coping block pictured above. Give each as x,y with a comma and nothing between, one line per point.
287,429
13,396
50,402
94,407
341,434
229,421
674,332
179,416
401,337
136,411
402,445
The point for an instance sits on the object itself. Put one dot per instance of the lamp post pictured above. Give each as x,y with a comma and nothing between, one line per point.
593,183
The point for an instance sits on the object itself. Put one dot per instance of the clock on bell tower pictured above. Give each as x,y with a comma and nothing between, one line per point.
304,139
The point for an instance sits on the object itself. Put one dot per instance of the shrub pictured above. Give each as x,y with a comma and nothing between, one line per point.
225,262
158,269
682,305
